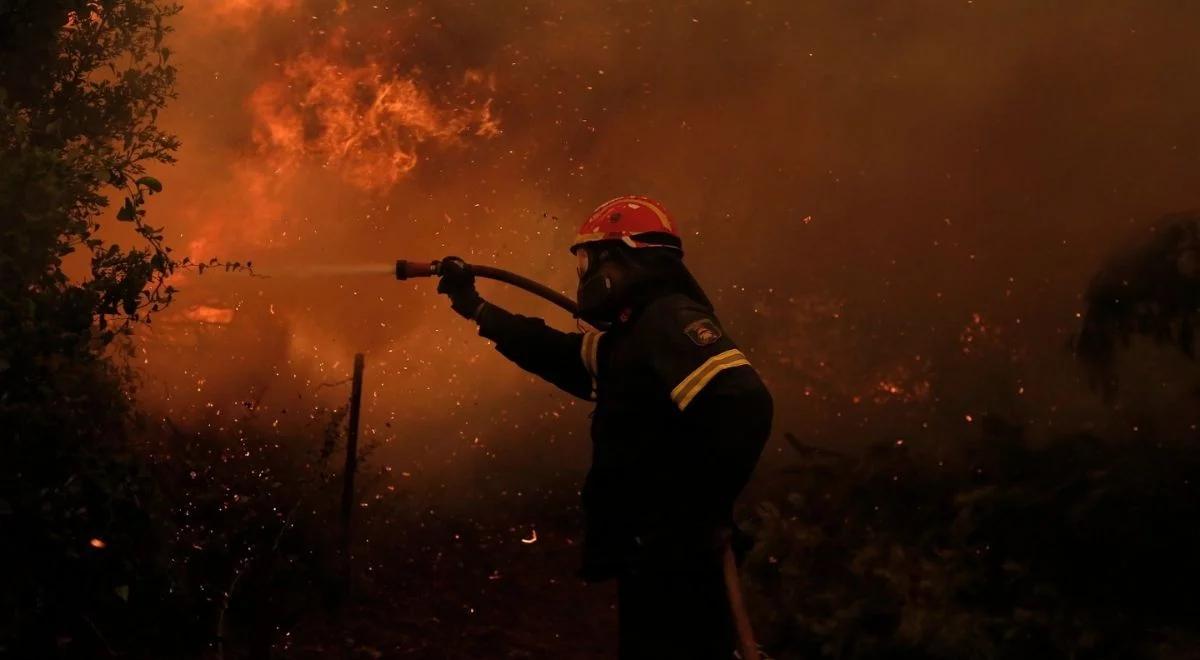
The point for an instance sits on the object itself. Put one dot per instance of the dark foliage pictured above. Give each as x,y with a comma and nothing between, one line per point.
81,84
1072,547
1152,290
253,543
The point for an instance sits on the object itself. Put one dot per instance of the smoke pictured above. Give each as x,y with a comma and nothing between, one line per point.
891,203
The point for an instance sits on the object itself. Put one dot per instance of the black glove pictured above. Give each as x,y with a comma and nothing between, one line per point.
458,283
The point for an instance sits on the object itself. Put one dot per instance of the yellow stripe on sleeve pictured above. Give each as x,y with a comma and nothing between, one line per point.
689,387
583,351
589,353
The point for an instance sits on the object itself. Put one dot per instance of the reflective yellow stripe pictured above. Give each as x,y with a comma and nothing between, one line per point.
689,387
685,384
589,350
708,376
589,353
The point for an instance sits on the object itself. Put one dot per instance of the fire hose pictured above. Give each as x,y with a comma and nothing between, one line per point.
410,269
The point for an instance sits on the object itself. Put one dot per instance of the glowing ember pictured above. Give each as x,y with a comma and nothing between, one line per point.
98,544
890,388
532,538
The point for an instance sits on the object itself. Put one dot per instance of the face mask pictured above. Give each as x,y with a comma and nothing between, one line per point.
604,277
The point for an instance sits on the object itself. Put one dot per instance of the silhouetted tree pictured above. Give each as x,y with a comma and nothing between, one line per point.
81,86
1152,290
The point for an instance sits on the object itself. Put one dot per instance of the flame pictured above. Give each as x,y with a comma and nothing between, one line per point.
244,12
906,382
207,314
361,121
317,112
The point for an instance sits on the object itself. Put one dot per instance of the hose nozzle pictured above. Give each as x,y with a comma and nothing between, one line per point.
409,269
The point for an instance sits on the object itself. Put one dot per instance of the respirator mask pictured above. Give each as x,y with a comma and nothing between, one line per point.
608,275
615,277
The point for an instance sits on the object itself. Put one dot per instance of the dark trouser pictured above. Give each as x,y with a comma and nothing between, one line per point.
675,613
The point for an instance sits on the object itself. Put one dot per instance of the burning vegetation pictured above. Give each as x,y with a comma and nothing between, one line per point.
359,123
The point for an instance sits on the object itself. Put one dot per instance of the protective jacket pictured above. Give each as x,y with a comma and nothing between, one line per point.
680,420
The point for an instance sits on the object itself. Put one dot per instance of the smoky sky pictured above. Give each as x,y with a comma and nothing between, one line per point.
894,205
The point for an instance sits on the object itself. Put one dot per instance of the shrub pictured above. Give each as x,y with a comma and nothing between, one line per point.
1069,547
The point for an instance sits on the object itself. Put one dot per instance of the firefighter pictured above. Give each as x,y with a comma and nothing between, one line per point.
680,420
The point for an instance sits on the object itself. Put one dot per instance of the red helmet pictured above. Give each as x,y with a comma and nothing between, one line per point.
635,220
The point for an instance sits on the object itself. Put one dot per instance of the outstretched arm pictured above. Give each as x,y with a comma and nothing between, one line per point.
561,358
564,359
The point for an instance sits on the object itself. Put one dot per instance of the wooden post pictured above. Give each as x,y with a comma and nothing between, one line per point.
351,464
737,607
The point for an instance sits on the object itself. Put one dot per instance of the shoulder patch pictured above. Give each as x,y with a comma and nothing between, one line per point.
702,332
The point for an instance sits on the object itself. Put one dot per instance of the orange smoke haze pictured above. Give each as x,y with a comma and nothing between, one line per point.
894,205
